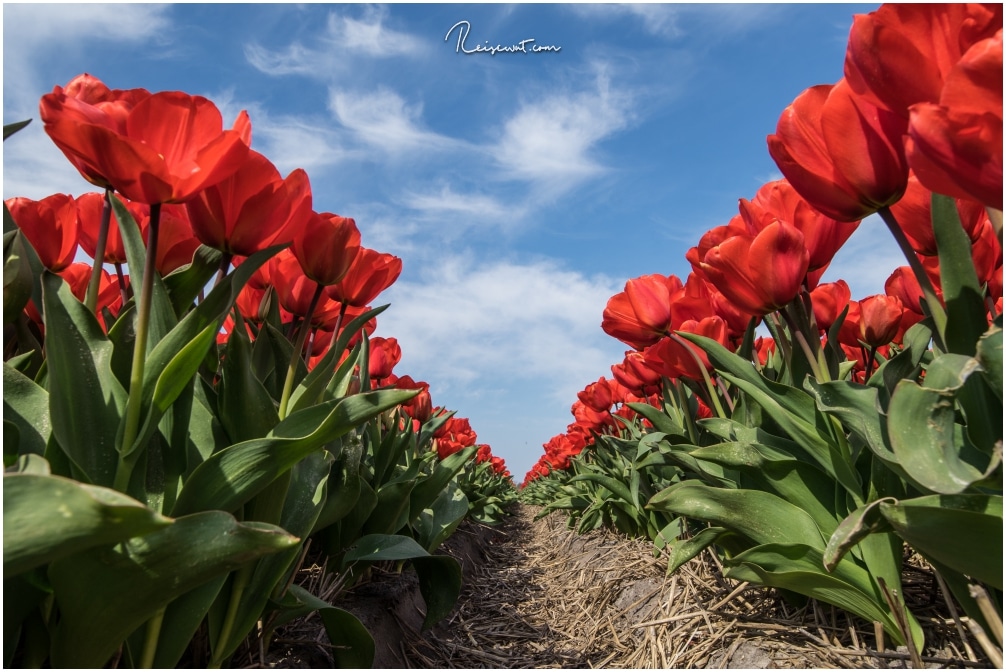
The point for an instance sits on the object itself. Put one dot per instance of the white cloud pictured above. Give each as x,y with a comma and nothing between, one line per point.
550,142
672,22
447,201
32,30
497,323
383,120
344,37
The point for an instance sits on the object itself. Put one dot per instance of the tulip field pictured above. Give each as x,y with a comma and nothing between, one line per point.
206,445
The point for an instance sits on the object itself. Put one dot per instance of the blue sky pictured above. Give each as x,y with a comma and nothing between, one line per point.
520,189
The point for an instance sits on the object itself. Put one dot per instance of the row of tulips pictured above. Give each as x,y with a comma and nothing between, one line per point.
178,427
810,456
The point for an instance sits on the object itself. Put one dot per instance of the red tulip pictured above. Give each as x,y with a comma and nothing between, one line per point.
759,274
176,244
371,273
326,247
778,200
385,353
914,215
454,436
713,237
635,375
641,315
171,146
252,209
89,210
829,300
50,225
597,396
419,407
674,357
956,146
900,54
294,289
879,319
840,152
903,284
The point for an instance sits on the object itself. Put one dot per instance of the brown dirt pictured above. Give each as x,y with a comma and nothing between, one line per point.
537,595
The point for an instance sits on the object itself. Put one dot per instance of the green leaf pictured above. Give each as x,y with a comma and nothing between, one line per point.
435,524
311,388
245,408
966,309
799,568
760,516
681,551
234,475
392,511
18,279
26,405
921,428
185,283
859,524
85,398
427,490
46,518
11,129
440,586
378,547
990,356
353,646
181,620
962,532
107,592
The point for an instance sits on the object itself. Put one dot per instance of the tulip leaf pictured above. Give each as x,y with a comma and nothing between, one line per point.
185,283
799,483
245,408
85,398
378,547
353,646
440,586
26,406
231,477
105,593
18,280
962,532
11,129
392,511
313,385
428,489
859,524
800,568
990,355
47,518
924,439
660,420
760,516
435,524
962,293
162,314
681,551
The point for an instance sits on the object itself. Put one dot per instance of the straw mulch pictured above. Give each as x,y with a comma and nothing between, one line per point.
546,597
537,595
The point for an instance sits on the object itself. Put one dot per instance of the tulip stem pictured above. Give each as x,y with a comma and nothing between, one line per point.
123,290
298,350
225,264
713,396
134,405
808,352
91,298
936,308
152,637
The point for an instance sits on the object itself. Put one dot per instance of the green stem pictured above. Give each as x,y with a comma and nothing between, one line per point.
936,308
91,298
153,635
298,349
225,264
134,405
241,579
801,339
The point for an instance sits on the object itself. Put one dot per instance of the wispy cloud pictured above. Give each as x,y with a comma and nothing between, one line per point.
551,142
383,120
344,37
503,323
674,22
448,201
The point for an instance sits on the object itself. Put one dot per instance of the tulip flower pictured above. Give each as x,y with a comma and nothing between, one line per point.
51,225
903,284
713,237
170,147
635,375
901,54
956,146
829,300
326,247
759,274
641,315
370,274
843,154
879,319
176,244
454,436
419,407
778,200
89,210
675,357
914,215
597,396
252,209
293,288
385,353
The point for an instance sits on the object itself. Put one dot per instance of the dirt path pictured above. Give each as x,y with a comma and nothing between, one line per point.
537,595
